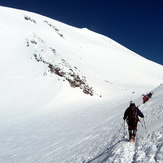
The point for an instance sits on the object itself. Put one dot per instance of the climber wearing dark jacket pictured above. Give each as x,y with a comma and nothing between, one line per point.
131,116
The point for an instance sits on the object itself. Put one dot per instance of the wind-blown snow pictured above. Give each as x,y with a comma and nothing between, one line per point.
63,91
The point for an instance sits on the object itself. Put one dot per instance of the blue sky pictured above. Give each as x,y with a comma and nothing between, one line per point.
136,24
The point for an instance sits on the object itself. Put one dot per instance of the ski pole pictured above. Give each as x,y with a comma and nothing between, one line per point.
145,125
124,129
141,123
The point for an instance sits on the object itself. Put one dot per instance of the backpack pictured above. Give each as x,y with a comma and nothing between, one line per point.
132,114
145,98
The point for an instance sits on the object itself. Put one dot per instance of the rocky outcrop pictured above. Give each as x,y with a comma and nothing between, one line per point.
30,19
59,67
55,29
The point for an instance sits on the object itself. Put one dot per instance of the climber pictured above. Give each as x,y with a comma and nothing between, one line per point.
131,116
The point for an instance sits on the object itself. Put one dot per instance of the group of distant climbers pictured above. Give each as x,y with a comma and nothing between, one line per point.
131,116
147,97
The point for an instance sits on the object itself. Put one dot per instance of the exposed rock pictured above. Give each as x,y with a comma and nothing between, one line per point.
30,19
56,30
73,79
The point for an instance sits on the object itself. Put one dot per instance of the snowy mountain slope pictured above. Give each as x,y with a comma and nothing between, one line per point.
58,44
63,88
85,136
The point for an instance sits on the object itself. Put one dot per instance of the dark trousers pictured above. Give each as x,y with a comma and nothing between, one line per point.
132,127
132,133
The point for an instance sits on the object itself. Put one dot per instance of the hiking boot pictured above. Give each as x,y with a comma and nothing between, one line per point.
132,139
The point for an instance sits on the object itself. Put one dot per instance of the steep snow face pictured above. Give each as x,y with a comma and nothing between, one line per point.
48,49
63,88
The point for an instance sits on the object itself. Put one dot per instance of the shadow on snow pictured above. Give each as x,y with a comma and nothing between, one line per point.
107,152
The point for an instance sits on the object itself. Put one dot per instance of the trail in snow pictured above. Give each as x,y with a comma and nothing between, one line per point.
75,138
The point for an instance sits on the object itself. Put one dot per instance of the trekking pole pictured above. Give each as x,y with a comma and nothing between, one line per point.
145,125
124,129
141,122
